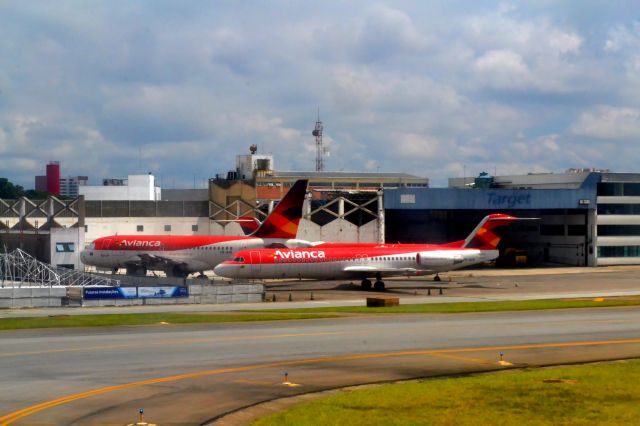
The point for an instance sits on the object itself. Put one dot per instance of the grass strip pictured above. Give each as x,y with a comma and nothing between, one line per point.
300,314
111,320
599,394
467,307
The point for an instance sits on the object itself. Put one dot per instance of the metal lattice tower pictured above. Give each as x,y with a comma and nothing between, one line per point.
18,269
317,132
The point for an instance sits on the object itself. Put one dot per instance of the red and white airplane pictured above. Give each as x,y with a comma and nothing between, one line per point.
335,261
180,255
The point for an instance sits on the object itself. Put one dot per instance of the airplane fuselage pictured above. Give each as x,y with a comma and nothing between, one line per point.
335,263
192,253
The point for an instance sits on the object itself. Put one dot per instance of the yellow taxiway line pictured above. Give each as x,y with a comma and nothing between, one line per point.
7,419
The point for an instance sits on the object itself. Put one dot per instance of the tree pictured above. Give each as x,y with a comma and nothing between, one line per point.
9,190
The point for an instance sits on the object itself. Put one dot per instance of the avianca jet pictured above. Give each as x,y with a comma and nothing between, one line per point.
180,255
368,260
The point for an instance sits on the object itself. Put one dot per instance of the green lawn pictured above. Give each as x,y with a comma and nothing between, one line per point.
600,394
148,319
297,314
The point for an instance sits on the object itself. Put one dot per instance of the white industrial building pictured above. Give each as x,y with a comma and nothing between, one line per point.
69,186
135,187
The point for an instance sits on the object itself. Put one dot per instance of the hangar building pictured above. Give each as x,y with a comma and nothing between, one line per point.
586,217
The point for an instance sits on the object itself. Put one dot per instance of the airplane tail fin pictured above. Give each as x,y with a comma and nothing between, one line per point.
283,221
248,224
489,232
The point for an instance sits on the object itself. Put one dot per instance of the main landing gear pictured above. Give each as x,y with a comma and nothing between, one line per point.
365,284
377,286
136,270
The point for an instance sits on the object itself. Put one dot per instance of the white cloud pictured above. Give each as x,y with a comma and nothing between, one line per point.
416,147
622,37
608,122
412,86
387,32
522,54
503,68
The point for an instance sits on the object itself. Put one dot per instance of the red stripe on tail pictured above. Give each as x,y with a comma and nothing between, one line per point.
488,233
284,219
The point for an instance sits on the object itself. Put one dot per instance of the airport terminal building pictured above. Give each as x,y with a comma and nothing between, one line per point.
586,217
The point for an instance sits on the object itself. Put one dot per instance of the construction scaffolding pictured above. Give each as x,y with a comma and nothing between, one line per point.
19,269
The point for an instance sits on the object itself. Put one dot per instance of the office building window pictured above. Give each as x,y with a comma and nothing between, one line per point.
619,251
65,247
619,209
618,230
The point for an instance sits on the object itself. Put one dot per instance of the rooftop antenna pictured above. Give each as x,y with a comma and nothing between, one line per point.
317,132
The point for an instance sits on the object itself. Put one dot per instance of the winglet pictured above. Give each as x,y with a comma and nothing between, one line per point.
285,217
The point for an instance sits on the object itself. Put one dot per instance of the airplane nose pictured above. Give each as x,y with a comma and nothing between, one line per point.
84,256
221,270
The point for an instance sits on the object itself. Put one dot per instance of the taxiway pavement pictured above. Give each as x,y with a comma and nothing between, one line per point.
190,374
465,286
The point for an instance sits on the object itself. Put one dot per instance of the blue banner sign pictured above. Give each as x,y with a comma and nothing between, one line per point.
95,293
162,292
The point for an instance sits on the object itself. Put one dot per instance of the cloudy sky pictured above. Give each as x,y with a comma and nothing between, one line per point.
436,89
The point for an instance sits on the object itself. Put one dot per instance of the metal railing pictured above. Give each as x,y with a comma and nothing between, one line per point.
18,269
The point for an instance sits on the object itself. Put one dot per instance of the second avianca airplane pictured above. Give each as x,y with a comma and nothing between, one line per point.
368,260
180,255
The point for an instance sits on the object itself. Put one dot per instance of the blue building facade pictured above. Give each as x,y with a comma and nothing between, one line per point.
591,219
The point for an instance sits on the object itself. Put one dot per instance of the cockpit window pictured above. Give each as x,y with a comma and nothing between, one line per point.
239,259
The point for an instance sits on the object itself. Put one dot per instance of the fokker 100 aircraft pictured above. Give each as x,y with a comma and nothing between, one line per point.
367,260
180,255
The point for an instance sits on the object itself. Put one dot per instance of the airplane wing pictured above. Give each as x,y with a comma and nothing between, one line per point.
152,261
385,271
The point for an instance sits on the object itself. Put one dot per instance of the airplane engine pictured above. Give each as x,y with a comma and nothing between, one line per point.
438,259
295,243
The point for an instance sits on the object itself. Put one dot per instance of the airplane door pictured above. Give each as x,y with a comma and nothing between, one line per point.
256,262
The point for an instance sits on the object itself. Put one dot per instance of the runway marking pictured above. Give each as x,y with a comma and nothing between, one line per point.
172,342
9,418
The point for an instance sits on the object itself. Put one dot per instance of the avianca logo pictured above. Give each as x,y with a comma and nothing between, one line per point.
136,243
313,254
